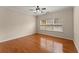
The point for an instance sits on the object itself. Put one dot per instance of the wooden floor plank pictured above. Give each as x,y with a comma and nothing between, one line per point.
38,43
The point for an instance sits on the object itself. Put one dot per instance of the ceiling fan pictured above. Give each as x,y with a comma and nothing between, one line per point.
37,10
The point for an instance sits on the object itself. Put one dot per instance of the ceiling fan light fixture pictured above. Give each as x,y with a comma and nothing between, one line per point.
39,11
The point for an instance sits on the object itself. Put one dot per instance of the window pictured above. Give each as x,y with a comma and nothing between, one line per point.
51,25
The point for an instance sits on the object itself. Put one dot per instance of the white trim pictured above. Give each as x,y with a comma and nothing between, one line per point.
12,38
56,36
76,45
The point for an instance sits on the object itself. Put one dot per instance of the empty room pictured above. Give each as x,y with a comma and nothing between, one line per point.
39,29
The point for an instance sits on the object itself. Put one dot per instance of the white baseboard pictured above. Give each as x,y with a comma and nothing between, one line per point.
12,38
56,36
76,45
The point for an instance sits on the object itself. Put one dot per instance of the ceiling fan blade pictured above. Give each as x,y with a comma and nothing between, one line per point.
43,8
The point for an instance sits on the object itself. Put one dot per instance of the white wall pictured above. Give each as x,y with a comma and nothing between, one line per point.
66,17
76,27
14,24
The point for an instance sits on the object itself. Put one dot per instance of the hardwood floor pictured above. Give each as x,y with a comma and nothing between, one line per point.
38,43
